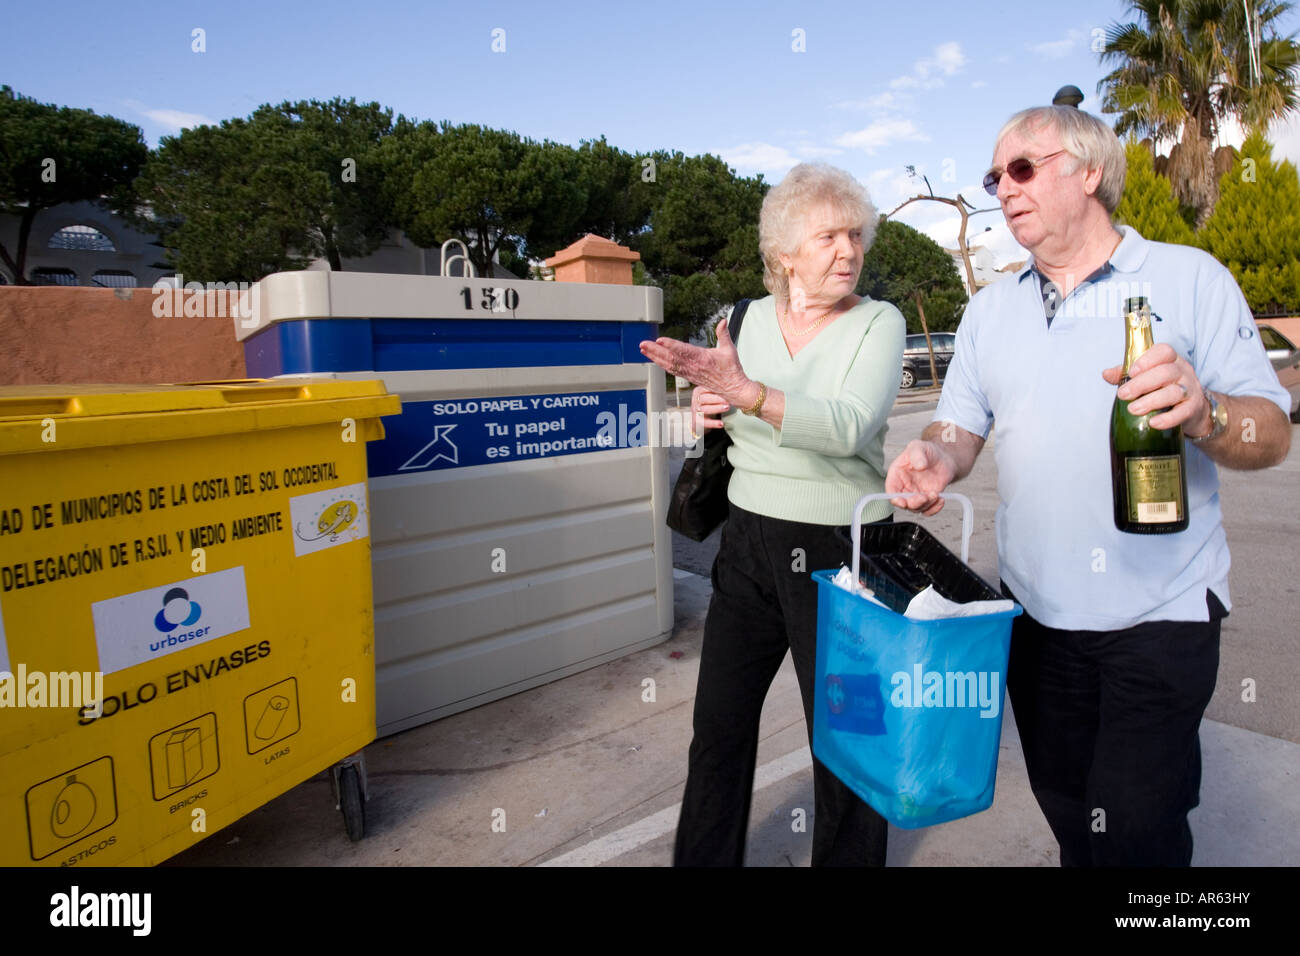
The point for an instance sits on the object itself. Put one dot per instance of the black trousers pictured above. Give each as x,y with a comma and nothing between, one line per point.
764,603
1109,725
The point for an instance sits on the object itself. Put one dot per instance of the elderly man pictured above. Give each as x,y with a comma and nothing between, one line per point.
1114,661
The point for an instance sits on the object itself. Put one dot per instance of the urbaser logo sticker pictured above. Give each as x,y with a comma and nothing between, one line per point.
145,625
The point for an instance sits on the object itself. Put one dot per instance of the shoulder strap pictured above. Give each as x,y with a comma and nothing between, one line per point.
737,318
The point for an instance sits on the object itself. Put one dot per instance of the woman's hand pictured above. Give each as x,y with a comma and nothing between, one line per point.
707,403
717,369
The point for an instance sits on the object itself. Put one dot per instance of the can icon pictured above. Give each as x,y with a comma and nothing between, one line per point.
272,717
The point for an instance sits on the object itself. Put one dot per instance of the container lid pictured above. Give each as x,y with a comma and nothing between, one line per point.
319,294
35,418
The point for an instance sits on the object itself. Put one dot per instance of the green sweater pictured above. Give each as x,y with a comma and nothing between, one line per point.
839,389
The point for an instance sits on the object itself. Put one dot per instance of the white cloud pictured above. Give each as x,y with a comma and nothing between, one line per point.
999,241
768,158
763,157
175,120
881,133
889,187
1285,137
1053,49
942,230
941,223
178,120
809,151
947,59
929,72
1286,140
996,238
928,217
979,84
1230,134
880,103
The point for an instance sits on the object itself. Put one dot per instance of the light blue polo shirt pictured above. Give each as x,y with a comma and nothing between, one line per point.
1058,548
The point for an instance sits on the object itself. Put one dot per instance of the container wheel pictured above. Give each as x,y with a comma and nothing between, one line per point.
351,803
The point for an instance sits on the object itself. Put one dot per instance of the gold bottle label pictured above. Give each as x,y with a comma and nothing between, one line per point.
1155,490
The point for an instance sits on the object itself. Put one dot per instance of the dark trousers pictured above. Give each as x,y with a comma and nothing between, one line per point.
1109,723
764,603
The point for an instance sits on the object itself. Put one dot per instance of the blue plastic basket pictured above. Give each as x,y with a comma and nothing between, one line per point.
908,713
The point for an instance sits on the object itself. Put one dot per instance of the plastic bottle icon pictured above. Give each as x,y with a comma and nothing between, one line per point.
272,717
74,808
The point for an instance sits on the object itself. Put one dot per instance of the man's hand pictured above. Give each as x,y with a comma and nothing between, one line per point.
1258,433
918,475
1162,378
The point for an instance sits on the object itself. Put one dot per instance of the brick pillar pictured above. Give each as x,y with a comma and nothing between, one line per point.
593,259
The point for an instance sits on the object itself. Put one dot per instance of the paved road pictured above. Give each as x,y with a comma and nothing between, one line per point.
588,771
1259,651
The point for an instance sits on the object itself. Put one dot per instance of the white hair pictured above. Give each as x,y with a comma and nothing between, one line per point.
1086,138
782,224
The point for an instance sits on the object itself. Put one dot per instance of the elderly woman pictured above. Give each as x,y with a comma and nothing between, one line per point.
804,397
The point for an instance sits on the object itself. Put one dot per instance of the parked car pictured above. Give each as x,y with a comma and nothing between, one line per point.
916,357
1286,362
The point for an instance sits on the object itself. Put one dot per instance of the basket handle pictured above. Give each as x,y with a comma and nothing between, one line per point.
967,524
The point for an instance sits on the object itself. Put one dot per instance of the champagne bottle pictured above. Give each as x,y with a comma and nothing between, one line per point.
1147,465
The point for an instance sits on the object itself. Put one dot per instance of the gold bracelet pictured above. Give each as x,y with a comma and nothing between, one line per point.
758,405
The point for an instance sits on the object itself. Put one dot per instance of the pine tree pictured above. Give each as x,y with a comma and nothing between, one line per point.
1148,204
1255,228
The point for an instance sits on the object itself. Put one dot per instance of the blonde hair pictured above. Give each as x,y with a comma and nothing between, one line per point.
1086,138
783,219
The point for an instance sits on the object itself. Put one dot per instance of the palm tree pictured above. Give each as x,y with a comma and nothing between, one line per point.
1186,67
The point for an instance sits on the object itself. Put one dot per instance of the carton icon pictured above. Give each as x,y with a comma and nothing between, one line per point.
184,752
182,755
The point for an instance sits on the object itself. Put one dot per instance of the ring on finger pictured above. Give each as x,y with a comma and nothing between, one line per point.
1184,388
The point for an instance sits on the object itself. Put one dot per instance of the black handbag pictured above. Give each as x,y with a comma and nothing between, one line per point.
699,500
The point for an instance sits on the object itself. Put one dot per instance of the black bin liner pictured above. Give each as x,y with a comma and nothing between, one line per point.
901,559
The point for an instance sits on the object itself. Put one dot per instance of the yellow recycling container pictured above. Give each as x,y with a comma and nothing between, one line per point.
186,620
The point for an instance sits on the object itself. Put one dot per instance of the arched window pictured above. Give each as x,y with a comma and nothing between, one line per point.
84,238
48,276
113,279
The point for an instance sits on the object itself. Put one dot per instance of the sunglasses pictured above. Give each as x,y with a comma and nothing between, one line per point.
1021,170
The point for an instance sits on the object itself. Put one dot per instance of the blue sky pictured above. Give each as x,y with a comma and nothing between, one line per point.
876,87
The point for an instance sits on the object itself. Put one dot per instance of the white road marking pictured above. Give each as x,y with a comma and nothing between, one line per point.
633,835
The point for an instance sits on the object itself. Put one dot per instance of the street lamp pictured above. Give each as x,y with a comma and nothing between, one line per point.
1068,96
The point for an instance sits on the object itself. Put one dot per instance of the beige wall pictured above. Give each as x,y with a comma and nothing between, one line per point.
69,335
1290,327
